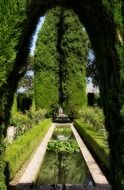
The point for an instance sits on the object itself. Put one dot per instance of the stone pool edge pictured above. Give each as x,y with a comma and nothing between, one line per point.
32,169
96,173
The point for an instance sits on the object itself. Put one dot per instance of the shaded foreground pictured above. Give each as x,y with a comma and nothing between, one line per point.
56,187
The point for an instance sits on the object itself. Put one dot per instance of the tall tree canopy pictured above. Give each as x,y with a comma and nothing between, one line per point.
74,48
60,61
104,21
46,66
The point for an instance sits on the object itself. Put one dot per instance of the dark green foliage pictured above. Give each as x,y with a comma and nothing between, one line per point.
20,150
2,164
97,142
12,14
90,99
24,100
105,28
74,46
112,88
98,101
46,62
60,62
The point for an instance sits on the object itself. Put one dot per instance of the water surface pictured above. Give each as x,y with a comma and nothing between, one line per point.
63,162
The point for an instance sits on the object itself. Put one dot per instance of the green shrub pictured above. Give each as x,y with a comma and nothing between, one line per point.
95,117
24,122
21,122
96,141
60,146
20,150
36,115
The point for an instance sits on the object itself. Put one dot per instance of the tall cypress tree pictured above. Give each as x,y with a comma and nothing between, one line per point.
46,57
74,46
60,62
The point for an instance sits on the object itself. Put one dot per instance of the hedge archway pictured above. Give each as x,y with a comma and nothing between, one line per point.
104,24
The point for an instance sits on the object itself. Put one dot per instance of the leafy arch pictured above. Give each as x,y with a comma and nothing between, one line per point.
103,21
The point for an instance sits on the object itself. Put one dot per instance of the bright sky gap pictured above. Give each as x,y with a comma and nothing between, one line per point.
35,36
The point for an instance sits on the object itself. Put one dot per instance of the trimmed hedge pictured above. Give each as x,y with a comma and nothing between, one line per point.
96,141
20,150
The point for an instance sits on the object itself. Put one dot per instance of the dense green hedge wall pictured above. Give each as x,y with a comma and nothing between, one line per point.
60,62
74,46
105,26
12,15
95,140
46,66
23,146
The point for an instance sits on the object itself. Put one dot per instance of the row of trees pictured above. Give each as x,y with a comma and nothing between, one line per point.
60,61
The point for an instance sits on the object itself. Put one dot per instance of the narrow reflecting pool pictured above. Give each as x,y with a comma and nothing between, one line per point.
63,162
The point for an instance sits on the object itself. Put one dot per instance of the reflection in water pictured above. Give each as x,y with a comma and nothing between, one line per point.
63,163
62,168
63,133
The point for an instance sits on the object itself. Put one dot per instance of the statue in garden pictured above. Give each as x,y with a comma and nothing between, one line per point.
60,111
